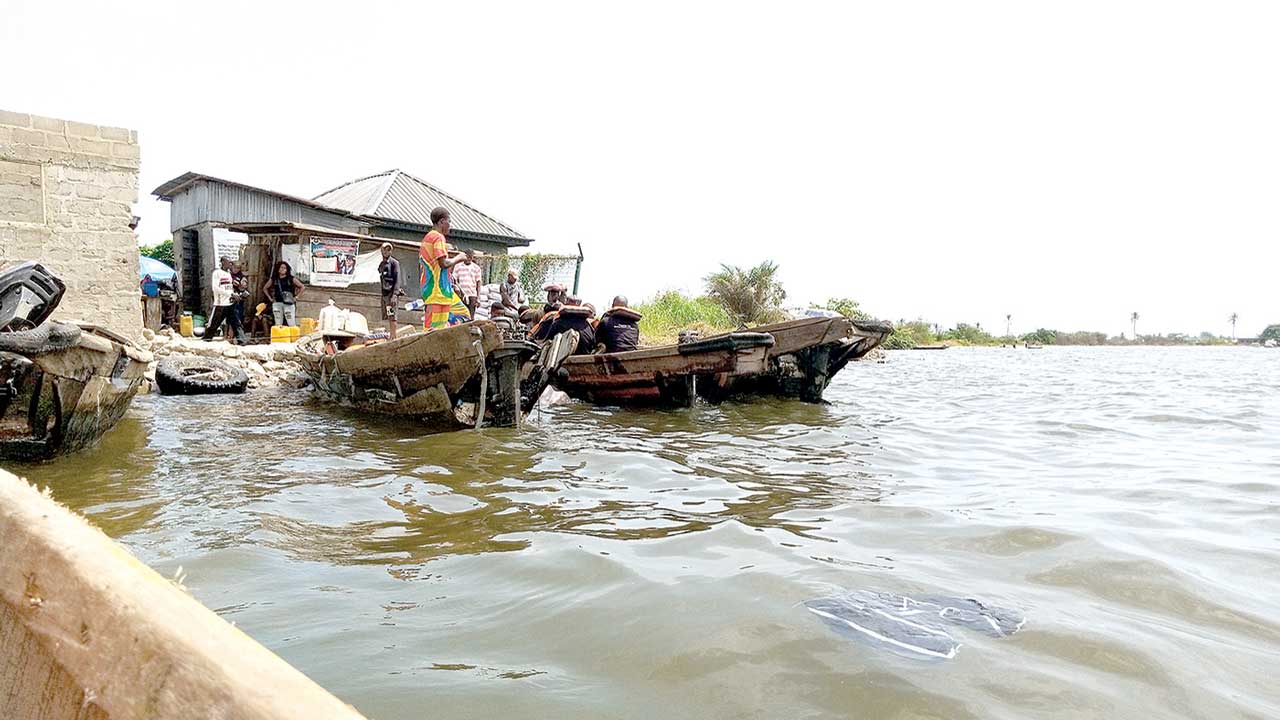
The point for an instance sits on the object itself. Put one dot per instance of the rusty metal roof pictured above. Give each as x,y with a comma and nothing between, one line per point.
397,196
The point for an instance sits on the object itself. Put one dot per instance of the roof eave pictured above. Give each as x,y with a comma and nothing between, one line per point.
167,191
455,232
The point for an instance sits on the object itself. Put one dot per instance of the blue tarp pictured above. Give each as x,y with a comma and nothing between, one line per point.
156,269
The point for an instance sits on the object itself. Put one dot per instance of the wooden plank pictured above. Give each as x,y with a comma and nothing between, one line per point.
151,313
87,632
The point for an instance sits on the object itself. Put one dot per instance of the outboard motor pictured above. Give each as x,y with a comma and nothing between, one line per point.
29,293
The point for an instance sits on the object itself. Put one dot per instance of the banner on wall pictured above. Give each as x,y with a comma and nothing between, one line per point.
333,261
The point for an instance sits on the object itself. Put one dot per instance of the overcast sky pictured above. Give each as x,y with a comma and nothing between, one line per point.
1069,163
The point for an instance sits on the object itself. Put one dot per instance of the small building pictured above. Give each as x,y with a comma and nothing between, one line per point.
329,240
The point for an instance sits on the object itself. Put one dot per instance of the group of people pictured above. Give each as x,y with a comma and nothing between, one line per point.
230,287
451,285
451,290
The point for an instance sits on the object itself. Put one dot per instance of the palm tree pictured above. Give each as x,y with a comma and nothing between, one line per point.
1234,317
1134,319
751,296
1008,323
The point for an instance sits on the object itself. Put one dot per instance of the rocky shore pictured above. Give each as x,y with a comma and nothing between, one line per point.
268,365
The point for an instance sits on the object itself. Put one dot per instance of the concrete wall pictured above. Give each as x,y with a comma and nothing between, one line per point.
66,200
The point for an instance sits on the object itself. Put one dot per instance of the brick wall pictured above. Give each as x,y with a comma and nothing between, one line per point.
66,200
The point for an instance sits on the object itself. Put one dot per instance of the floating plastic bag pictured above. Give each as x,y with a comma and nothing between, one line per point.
916,627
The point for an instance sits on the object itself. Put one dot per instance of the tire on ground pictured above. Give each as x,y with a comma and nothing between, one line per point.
191,375
47,337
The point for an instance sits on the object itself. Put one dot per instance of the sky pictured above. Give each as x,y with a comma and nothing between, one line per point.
1065,163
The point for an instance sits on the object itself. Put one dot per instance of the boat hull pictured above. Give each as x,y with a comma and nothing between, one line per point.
61,401
664,375
439,378
417,376
805,356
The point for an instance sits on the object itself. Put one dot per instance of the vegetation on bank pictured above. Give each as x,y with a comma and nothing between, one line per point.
752,297
162,252
911,333
670,312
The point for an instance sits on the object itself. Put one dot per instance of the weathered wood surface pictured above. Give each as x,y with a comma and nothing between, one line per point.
422,375
72,396
806,354
662,374
87,632
447,357
151,316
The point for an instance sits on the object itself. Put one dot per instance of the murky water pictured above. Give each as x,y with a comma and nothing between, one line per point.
653,564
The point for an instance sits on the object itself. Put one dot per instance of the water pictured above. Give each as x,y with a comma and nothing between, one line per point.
610,564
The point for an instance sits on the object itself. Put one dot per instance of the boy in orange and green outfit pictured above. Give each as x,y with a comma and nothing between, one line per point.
434,260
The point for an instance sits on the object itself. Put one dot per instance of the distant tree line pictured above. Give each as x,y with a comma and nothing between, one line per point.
736,297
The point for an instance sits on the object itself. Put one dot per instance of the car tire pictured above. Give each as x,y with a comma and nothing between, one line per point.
47,337
191,375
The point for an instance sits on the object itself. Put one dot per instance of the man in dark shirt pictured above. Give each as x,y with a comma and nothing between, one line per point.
619,328
389,277
574,318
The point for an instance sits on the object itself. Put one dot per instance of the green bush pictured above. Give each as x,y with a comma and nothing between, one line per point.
966,334
670,312
751,296
1043,337
846,307
907,335
1271,333
162,252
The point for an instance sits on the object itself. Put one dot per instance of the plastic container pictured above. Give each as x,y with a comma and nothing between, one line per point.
308,325
280,333
294,333
186,325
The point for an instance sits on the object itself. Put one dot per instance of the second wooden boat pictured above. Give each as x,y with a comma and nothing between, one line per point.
806,354
663,375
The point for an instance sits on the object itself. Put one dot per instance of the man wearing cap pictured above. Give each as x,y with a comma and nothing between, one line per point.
466,281
555,298
392,289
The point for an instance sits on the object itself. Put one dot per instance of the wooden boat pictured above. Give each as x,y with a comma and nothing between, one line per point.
457,376
62,394
931,347
88,632
805,355
663,375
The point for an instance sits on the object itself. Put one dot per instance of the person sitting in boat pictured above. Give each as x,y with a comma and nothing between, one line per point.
499,310
555,298
619,328
512,295
572,317
435,261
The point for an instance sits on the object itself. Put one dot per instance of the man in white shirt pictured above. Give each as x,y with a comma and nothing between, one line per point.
466,281
223,286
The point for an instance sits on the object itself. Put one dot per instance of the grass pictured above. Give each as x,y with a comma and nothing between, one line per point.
670,312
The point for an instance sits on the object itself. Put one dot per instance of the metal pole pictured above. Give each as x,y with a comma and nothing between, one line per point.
577,270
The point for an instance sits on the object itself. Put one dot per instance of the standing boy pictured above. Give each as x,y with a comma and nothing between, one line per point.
435,262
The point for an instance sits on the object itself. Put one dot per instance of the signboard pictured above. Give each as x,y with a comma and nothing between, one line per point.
333,261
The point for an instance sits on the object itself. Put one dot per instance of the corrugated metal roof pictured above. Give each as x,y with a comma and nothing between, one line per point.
398,196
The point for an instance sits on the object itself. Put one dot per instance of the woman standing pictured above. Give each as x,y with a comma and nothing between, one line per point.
283,290
434,260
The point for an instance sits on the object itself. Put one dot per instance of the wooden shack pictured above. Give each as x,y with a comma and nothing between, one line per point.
392,206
